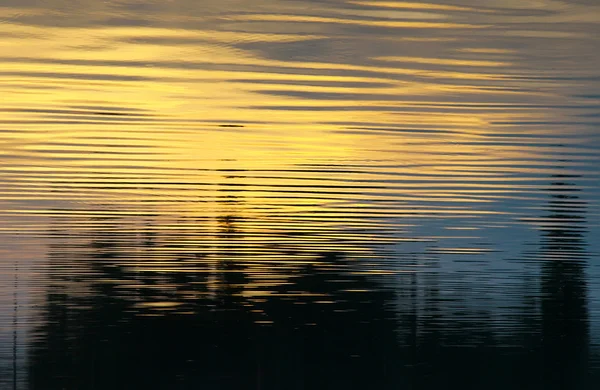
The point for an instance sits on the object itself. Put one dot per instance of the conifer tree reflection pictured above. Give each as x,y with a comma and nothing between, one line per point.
110,325
564,297
332,329
174,305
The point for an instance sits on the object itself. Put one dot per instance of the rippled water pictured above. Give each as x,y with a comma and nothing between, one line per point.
315,194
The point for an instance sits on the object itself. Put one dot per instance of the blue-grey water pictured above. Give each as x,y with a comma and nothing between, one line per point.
299,194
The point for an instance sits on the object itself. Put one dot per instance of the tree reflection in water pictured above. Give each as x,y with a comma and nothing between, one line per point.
197,322
324,330
192,324
565,324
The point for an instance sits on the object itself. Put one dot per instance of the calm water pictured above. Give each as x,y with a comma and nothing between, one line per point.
311,194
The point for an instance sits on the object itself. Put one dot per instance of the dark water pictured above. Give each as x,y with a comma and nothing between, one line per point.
314,194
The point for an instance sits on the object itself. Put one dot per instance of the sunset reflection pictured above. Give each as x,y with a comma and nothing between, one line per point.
308,194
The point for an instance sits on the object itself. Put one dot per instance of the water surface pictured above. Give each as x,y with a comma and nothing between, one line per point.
299,194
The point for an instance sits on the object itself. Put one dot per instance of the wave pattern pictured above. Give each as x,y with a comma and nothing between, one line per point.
423,171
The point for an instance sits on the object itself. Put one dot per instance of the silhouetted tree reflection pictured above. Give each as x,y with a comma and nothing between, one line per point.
190,326
564,303
330,329
140,306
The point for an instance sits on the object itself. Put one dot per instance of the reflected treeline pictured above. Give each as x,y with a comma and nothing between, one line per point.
195,327
146,308
565,327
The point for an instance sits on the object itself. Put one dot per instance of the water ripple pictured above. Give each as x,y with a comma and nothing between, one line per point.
219,194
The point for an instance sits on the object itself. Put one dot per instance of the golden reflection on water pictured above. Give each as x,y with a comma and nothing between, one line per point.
177,151
179,116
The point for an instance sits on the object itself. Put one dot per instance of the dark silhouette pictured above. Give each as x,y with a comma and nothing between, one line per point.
130,304
187,323
565,332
